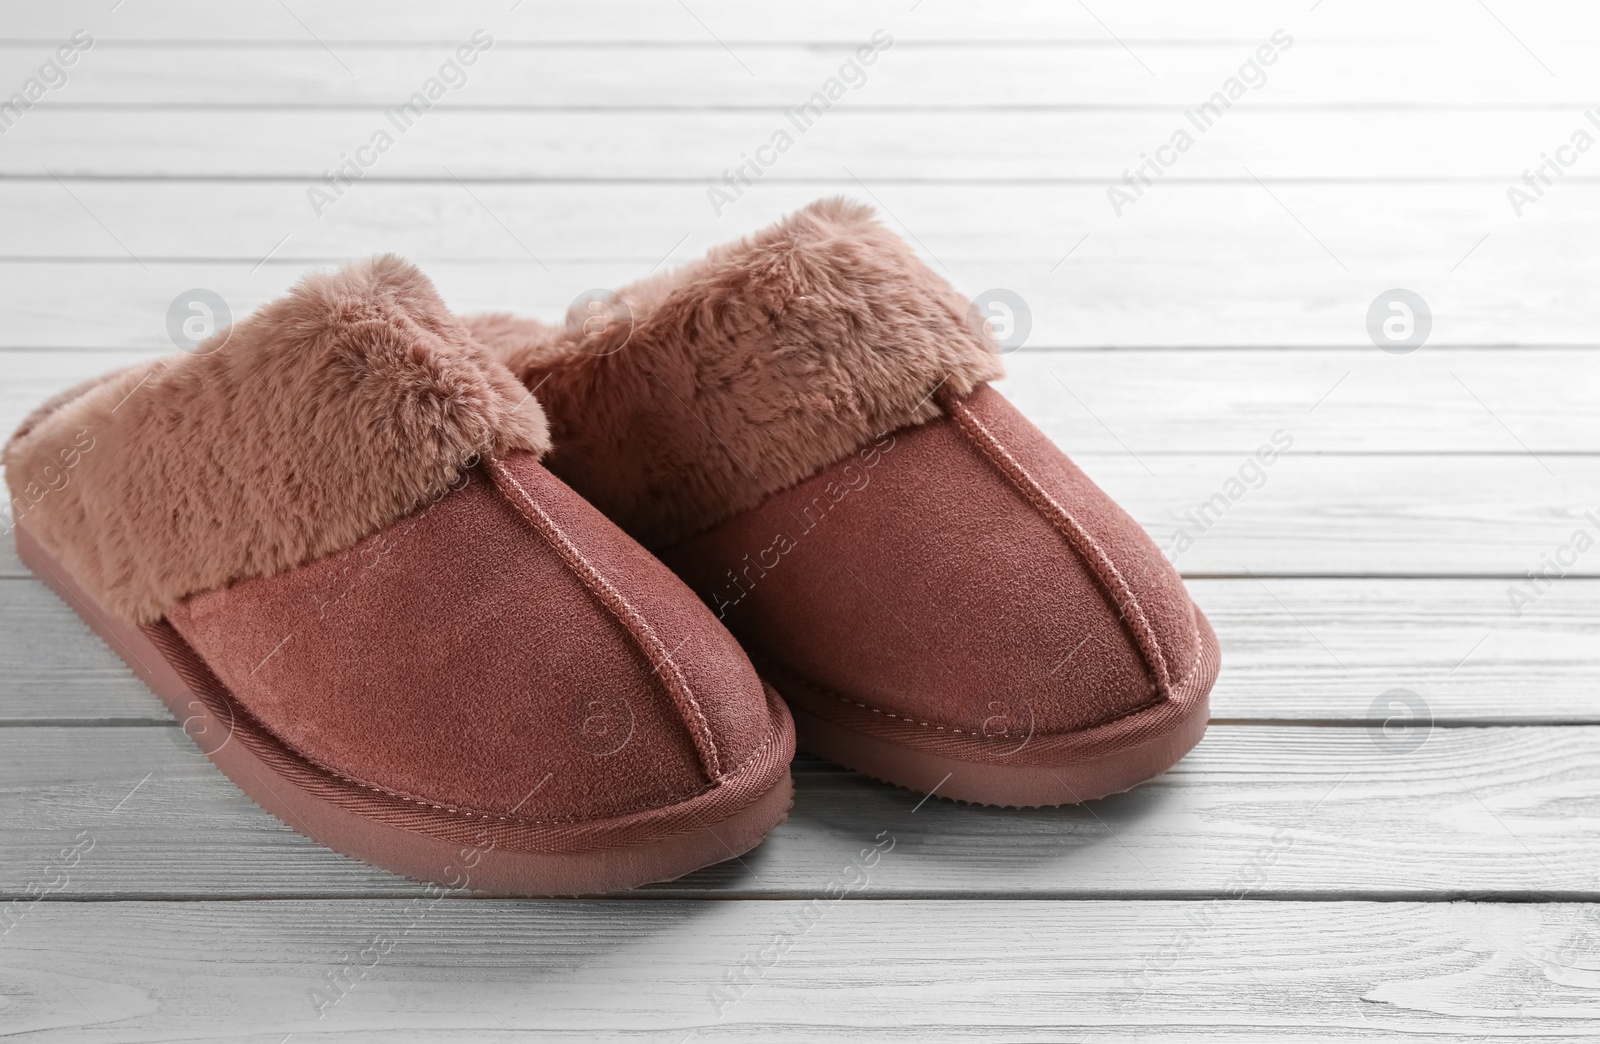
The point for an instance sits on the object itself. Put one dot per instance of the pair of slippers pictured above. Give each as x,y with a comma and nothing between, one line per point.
540,609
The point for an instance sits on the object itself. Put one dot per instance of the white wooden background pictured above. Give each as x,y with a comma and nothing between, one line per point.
1303,874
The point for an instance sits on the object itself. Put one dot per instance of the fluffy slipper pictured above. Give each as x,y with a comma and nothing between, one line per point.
800,425
326,541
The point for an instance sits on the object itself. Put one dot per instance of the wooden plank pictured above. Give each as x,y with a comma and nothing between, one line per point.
987,237
711,20
1367,813
1206,264
1186,401
1547,23
1329,649
53,668
1313,72
1348,401
887,970
1310,650
1361,515
843,144
1283,297
1339,515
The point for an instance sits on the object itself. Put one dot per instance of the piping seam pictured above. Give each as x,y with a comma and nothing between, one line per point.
974,733
635,624
1078,538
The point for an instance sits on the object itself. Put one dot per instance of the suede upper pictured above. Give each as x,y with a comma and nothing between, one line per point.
454,657
915,578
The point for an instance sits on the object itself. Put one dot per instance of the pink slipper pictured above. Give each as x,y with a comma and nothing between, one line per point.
325,540
800,425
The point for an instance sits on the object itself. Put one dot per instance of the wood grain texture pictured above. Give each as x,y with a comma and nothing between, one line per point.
1411,811
1156,281
885,970
844,143
999,233
1021,74
1556,24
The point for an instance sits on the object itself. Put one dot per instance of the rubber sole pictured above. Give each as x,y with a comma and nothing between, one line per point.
1038,771
439,846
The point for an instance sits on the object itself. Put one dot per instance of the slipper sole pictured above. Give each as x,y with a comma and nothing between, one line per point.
1025,772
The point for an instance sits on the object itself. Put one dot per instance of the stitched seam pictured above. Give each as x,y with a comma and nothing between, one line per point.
1077,537
635,624
400,795
951,728
1199,659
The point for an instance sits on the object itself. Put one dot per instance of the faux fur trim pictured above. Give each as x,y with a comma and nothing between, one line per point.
315,422
745,372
